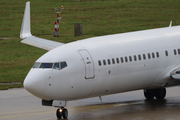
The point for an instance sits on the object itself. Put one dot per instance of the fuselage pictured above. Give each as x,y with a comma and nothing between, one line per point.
107,65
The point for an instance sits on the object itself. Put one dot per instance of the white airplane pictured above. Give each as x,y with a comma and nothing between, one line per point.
98,66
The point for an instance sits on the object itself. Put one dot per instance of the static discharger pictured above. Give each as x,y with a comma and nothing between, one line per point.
59,13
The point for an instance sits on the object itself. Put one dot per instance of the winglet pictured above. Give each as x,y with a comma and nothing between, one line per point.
32,40
170,23
26,26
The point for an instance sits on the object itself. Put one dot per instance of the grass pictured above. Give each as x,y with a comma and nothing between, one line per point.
99,17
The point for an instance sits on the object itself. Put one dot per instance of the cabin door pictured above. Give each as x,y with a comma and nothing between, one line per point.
88,63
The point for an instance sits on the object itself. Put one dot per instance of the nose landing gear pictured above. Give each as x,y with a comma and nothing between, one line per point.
62,112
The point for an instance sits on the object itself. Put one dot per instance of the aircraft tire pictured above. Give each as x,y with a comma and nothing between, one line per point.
149,94
65,113
160,93
58,114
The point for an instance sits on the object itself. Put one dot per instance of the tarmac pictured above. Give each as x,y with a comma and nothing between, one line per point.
18,104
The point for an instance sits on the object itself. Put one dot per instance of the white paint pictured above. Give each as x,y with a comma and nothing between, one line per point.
57,103
88,64
32,40
26,25
70,82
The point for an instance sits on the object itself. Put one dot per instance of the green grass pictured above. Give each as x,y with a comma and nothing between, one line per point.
99,17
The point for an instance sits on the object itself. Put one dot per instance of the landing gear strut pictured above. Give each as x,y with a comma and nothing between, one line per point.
159,93
62,112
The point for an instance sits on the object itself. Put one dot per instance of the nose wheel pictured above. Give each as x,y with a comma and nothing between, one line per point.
62,112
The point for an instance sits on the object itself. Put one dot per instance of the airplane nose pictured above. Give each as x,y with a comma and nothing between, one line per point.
35,83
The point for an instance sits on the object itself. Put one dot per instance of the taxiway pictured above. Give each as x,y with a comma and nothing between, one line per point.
18,104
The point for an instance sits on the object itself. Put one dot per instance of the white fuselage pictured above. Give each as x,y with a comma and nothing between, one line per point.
84,77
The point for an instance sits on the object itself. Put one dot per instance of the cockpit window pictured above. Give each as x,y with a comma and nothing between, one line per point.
36,65
63,65
46,65
57,66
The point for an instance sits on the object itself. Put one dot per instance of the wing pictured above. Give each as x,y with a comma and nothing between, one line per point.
32,40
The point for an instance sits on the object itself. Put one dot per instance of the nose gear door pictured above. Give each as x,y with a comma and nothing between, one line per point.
88,63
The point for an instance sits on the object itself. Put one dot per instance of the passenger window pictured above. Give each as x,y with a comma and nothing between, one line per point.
109,62
175,52
135,58
117,60
104,62
157,54
46,65
36,65
144,56
139,56
126,59
130,58
166,53
99,63
178,51
122,60
153,56
113,61
63,65
56,66
149,56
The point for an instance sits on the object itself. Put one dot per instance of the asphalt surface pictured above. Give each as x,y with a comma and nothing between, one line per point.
18,104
